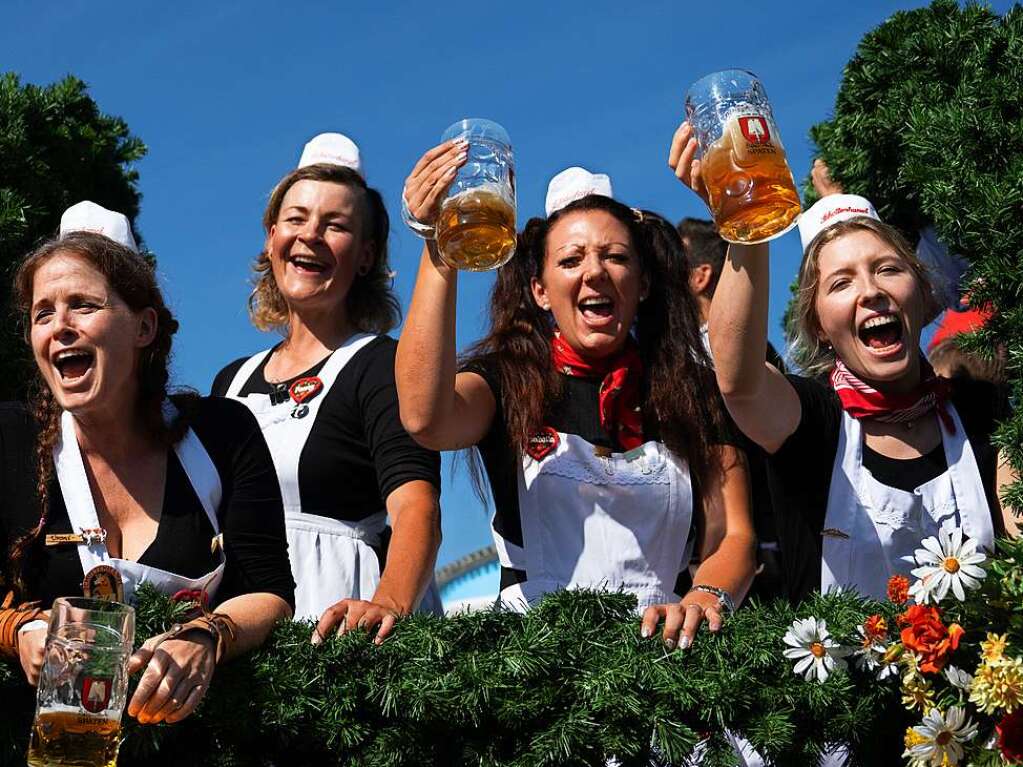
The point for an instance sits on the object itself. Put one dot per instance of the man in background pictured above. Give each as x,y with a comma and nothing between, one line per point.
705,254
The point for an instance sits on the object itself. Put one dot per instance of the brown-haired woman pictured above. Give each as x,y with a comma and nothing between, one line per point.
879,455
129,485
601,447
326,402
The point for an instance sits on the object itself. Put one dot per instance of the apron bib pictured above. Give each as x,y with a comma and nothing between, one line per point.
81,509
588,521
331,559
871,530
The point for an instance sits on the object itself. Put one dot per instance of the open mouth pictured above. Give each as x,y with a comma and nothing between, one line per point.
304,264
881,333
597,308
73,363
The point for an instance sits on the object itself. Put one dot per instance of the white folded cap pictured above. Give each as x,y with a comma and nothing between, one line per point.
332,149
87,216
830,210
573,184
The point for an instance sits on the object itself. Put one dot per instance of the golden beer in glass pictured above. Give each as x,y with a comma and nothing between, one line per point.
69,738
475,229
83,684
751,191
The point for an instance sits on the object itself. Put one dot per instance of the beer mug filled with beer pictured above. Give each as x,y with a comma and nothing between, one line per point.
752,195
476,226
83,684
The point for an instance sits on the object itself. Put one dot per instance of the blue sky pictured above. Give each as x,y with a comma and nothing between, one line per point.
225,94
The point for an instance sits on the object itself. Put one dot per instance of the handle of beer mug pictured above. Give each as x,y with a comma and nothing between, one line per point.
683,161
429,181
425,231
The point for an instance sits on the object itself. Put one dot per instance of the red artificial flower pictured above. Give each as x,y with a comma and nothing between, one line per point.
197,596
898,589
875,630
926,635
1010,736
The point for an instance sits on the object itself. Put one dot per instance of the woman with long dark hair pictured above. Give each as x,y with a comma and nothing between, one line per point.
591,405
110,482
326,401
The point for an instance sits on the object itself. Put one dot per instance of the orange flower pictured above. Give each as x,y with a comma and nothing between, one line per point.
926,635
875,629
898,589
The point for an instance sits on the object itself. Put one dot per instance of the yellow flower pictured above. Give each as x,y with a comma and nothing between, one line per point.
913,738
993,648
917,694
998,685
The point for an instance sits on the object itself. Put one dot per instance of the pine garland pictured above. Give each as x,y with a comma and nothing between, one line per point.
569,683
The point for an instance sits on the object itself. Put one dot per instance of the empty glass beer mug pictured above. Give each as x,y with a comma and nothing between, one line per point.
82,684
753,197
475,229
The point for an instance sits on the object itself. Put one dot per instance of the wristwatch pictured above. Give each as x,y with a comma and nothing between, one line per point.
724,598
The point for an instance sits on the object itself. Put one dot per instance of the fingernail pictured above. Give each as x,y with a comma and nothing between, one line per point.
645,633
315,638
669,644
686,641
461,157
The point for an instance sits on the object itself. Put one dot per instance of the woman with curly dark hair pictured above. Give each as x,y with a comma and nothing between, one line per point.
591,404
110,482
326,401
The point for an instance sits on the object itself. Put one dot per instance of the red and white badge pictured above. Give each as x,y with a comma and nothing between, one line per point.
305,389
96,693
543,444
755,129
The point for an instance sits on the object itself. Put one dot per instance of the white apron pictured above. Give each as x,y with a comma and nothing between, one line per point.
871,530
588,521
331,560
81,509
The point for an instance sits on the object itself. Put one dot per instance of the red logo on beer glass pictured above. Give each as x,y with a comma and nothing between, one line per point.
755,130
96,693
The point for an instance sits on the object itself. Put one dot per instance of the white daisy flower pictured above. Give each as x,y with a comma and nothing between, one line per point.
816,653
946,562
872,656
939,738
959,678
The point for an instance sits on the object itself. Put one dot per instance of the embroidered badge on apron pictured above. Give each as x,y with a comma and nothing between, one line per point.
303,390
543,444
103,582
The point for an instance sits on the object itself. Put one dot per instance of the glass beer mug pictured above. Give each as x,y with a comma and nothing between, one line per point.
475,229
753,197
83,684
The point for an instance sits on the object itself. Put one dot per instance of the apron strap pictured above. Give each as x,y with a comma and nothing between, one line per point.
69,467
245,372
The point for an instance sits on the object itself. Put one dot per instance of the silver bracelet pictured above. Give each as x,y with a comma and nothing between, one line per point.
418,227
724,598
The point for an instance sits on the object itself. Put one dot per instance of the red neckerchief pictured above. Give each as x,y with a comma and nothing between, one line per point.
621,376
862,401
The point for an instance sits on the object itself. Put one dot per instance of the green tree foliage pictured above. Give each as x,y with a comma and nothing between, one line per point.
56,149
928,124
